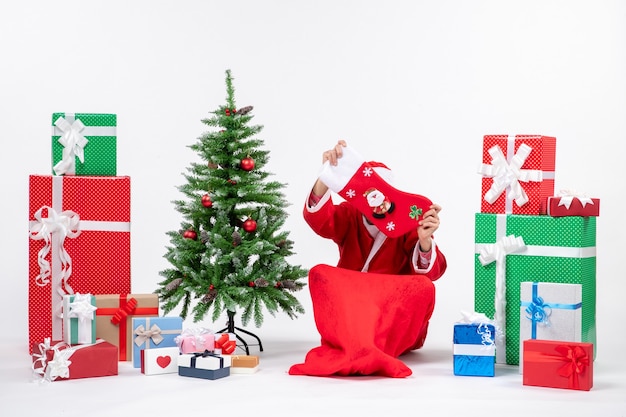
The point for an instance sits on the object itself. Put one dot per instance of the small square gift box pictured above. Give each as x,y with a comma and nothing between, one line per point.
243,364
205,365
474,346
56,360
159,361
195,340
226,343
84,144
154,332
572,203
518,173
79,319
558,364
550,311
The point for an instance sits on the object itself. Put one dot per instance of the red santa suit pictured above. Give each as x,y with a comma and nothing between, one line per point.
376,304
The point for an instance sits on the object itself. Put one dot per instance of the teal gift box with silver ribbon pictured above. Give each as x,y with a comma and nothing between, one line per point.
550,311
84,144
511,249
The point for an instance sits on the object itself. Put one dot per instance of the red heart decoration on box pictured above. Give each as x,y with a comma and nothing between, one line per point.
163,361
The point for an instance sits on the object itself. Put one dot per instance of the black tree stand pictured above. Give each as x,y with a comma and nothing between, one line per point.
230,328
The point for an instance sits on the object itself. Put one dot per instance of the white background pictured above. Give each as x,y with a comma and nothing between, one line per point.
414,84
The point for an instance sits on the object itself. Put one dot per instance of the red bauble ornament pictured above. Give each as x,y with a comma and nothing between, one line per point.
227,112
249,225
206,201
247,164
251,284
190,234
231,182
211,287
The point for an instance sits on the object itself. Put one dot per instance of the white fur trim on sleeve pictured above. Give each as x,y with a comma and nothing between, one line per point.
433,258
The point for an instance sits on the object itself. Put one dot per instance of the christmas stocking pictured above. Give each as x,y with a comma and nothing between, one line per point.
394,212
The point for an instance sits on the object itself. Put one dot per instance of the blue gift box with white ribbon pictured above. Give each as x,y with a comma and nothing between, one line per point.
474,349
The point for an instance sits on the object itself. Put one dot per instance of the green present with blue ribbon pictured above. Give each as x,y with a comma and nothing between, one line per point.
550,311
511,249
84,144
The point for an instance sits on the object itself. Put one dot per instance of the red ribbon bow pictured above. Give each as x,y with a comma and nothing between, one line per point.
576,361
123,312
226,344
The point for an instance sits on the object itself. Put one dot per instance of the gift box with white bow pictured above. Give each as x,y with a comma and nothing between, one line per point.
56,360
572,203
510,249
79,230
196,340
84,144
518,173
79,319
154,332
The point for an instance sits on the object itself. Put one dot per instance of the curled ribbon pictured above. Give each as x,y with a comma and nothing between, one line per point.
567,196
143,335
497,253
123,312
538,311
64,224
508,175
73,143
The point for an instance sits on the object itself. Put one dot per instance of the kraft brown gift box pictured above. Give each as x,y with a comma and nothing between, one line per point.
114,318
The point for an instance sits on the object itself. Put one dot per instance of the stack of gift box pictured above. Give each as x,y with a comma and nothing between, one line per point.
535,264
83,319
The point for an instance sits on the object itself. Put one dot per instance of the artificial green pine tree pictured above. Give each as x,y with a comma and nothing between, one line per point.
231,254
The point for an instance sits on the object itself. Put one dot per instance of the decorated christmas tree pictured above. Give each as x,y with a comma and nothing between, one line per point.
231,254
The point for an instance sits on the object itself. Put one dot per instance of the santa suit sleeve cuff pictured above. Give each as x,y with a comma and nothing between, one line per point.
314,203
427,258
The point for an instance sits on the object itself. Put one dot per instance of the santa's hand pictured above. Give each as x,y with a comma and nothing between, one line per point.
427,226
335,153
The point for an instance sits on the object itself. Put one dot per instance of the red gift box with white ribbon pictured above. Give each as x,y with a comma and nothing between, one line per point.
518,173
79,242
572,203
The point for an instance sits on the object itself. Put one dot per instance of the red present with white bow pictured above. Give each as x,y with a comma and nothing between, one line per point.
56,360
518,173
558,364
79,243
572,203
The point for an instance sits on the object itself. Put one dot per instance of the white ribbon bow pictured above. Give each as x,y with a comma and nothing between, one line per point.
82,308
144,334
73,143
508,175
64,224
567,196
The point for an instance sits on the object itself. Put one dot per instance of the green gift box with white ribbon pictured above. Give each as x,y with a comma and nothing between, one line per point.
84,144
510,249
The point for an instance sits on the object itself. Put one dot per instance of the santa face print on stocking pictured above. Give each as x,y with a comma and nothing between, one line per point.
392,211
